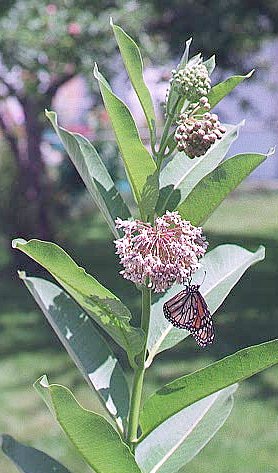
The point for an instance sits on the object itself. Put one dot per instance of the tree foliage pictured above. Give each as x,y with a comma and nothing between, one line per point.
230,27
43,45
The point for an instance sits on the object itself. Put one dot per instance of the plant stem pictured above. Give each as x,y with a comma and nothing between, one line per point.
138,380
163,141
135,407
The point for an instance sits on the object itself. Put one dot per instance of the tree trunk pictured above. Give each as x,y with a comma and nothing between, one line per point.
33,183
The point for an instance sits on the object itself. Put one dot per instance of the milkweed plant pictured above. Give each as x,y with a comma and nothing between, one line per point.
176,182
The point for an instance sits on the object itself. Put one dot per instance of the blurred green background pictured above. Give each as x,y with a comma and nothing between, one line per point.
47,53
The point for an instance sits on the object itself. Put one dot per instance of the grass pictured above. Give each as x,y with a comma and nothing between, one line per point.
247,215
248,440
246,443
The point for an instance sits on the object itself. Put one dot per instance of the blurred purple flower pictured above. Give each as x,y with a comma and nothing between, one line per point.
162,254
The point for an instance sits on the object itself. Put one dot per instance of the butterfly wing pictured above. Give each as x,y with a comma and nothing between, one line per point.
188,310
178,310
202,327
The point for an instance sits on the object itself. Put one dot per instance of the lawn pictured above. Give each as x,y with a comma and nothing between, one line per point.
248,441
247,215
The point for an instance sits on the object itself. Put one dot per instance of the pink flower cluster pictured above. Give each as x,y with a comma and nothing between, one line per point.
162,254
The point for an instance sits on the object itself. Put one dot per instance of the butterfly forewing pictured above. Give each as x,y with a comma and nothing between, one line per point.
188,310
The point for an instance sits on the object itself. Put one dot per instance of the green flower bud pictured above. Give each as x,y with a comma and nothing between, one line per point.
193,82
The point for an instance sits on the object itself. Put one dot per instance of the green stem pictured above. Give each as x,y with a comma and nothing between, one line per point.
164,138
137,388
163,142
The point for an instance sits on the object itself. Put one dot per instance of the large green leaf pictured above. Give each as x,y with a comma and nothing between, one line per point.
28,459
215,186
224,266
103,306
179,439
134,65
88,349
182,174
138,162
184,391
94,174
219,91
94,437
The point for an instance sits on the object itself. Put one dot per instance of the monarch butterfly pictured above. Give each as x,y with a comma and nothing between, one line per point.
188,309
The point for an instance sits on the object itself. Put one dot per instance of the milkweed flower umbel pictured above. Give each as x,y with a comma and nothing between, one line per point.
162,254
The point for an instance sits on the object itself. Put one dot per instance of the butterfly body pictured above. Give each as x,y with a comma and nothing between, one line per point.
188,310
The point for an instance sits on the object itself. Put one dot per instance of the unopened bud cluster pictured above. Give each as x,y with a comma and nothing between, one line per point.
195,136
193,81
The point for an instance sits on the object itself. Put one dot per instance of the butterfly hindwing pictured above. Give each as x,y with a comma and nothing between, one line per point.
188,310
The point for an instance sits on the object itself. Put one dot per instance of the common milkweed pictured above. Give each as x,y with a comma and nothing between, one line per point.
188,309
